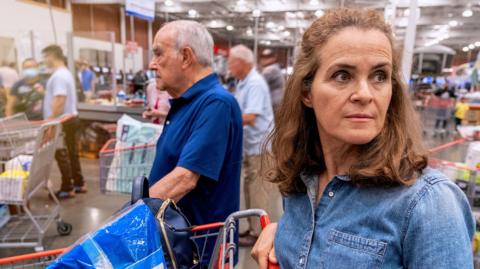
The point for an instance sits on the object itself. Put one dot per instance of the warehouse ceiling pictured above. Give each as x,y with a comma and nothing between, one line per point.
281,22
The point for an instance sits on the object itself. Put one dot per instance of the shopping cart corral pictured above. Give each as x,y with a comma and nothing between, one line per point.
28,150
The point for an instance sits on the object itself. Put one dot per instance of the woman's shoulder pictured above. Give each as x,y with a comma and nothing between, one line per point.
436,197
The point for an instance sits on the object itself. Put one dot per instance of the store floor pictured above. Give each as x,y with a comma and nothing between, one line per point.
87,211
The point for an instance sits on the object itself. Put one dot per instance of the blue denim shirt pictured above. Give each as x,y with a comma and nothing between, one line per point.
427,225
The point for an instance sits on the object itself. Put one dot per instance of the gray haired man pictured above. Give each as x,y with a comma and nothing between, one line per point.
253,96
199,153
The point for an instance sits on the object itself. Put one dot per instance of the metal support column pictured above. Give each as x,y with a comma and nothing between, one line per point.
149,41
123,39
409,43
255,44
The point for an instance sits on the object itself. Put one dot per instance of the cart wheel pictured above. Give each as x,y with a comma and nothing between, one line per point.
64,228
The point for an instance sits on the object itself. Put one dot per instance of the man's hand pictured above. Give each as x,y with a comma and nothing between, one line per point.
249,119
153,113
38,87
175,185
264,251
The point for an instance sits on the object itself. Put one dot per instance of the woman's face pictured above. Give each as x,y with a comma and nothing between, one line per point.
352,87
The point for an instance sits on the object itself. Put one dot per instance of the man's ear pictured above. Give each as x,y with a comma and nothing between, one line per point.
188,57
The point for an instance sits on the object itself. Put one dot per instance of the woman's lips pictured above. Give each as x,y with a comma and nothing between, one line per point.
359,117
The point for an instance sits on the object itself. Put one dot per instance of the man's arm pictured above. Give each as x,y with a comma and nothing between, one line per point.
175,185
249,119
58,106
11,100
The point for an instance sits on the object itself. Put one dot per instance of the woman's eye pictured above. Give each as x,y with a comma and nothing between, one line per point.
341,76
380,76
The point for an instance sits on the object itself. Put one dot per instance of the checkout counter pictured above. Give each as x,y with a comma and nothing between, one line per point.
108,113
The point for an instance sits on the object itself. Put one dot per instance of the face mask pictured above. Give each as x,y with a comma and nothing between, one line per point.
30,72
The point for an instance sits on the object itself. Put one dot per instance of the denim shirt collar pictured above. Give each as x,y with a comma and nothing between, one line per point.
311,183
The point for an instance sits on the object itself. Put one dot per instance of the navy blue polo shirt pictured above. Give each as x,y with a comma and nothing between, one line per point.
203,133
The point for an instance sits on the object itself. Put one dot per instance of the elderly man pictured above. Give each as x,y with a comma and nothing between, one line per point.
199,153
253,96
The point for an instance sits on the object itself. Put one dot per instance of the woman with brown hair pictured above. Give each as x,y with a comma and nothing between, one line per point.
350,164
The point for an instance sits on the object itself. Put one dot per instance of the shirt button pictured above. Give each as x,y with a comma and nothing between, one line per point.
301,261
330,194
167,122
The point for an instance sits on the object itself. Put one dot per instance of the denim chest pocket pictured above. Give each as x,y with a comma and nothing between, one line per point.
352,251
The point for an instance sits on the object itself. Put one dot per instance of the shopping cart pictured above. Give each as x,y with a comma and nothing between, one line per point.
222,232
17,135
436,113
455,168
28,153
120,165
31,261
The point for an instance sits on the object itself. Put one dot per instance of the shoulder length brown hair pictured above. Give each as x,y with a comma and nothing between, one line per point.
395,157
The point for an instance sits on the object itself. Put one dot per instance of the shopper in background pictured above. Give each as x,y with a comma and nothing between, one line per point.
272,73
8,76
157,103
349,161
253,97
26,95
198,157
87,80
61,100
461,108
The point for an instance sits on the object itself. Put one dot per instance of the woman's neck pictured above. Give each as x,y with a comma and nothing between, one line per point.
338,158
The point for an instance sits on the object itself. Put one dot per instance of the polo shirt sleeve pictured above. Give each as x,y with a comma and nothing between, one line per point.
59,86
207,146
255,99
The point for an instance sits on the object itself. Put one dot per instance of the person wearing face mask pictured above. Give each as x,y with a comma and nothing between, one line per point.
26,94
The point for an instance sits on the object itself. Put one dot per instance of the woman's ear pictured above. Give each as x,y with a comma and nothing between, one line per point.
307,98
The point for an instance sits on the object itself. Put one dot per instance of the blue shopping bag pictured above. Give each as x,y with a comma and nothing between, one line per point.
130,240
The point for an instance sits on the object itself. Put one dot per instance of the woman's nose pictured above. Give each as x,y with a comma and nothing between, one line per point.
362,93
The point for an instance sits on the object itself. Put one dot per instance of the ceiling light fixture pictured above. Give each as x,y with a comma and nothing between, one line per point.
230,27
467,13
256,13
453,23
471,46
314,2
270,25
168,3
192,13
477,44
319,13
465,49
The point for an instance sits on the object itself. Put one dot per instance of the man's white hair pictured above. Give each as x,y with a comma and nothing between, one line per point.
242,52
195,36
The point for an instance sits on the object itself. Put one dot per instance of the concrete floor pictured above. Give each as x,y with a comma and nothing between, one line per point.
88,211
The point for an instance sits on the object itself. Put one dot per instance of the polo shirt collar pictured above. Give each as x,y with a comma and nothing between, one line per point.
200,86
249,75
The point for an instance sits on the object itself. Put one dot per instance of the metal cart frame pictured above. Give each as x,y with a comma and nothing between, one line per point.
26,229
